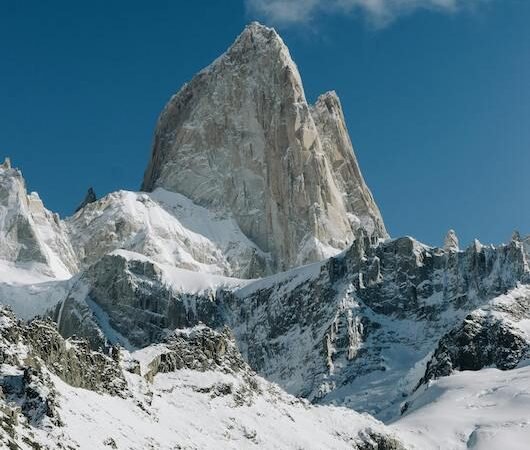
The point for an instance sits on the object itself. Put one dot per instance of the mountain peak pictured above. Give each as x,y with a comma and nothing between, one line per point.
259,34
90,197
258,41
6,164
240,138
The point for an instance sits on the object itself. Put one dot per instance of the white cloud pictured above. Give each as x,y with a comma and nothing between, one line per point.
378,12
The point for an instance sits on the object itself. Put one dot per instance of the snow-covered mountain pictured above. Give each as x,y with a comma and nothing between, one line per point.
30,235
160,319
168,227
240,137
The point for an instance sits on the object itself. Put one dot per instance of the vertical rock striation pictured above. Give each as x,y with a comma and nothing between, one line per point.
241,138
30,235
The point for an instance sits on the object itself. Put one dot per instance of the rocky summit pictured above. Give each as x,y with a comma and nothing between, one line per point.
242,139
250,297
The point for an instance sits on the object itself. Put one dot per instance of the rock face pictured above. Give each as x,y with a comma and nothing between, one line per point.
242,139
451,241
200,348
30,235
323,331
491,336
136,299
480,341
90,197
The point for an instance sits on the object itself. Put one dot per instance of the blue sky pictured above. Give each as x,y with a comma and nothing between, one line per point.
436,96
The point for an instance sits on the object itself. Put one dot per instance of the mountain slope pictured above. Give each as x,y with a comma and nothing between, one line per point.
168,227
356,330
240,137
30,235
59,394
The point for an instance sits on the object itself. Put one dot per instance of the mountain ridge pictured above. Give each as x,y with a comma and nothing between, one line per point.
164,320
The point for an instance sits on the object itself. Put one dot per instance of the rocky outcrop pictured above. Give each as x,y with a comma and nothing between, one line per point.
482,340
30,235
451,241
38,343
28,395
90,197
240,138
73,361
132,297
198,348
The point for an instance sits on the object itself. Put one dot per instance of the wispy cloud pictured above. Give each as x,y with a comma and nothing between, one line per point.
377,12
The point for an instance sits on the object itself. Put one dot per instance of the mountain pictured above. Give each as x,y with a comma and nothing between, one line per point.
58,393
363,329
167,227
241,138
163,319
30,235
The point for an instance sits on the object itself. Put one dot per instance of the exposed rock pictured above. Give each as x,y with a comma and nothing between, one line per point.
488,336
73,360
451,242
30,235
137,302
241,138
199,348
90,197
480,341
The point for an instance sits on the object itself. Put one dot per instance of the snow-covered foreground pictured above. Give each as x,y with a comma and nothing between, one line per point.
186,409
189,409
484,410
192,392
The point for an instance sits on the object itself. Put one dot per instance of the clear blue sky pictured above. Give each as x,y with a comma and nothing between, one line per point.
437,104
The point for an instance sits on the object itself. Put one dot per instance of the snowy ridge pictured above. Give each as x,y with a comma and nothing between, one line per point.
167,227
173,409
184,317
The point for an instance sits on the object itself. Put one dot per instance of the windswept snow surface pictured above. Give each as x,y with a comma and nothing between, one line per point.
182,410
484,410
27,291
167,227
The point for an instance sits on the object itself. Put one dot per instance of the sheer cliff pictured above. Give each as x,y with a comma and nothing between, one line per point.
240,137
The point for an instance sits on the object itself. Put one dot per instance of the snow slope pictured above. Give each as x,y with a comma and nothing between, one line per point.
219,403
178,411
484,410
27,291
167,227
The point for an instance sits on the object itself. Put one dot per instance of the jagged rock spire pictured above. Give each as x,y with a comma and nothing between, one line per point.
241,138
451,242
29,233
90,197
